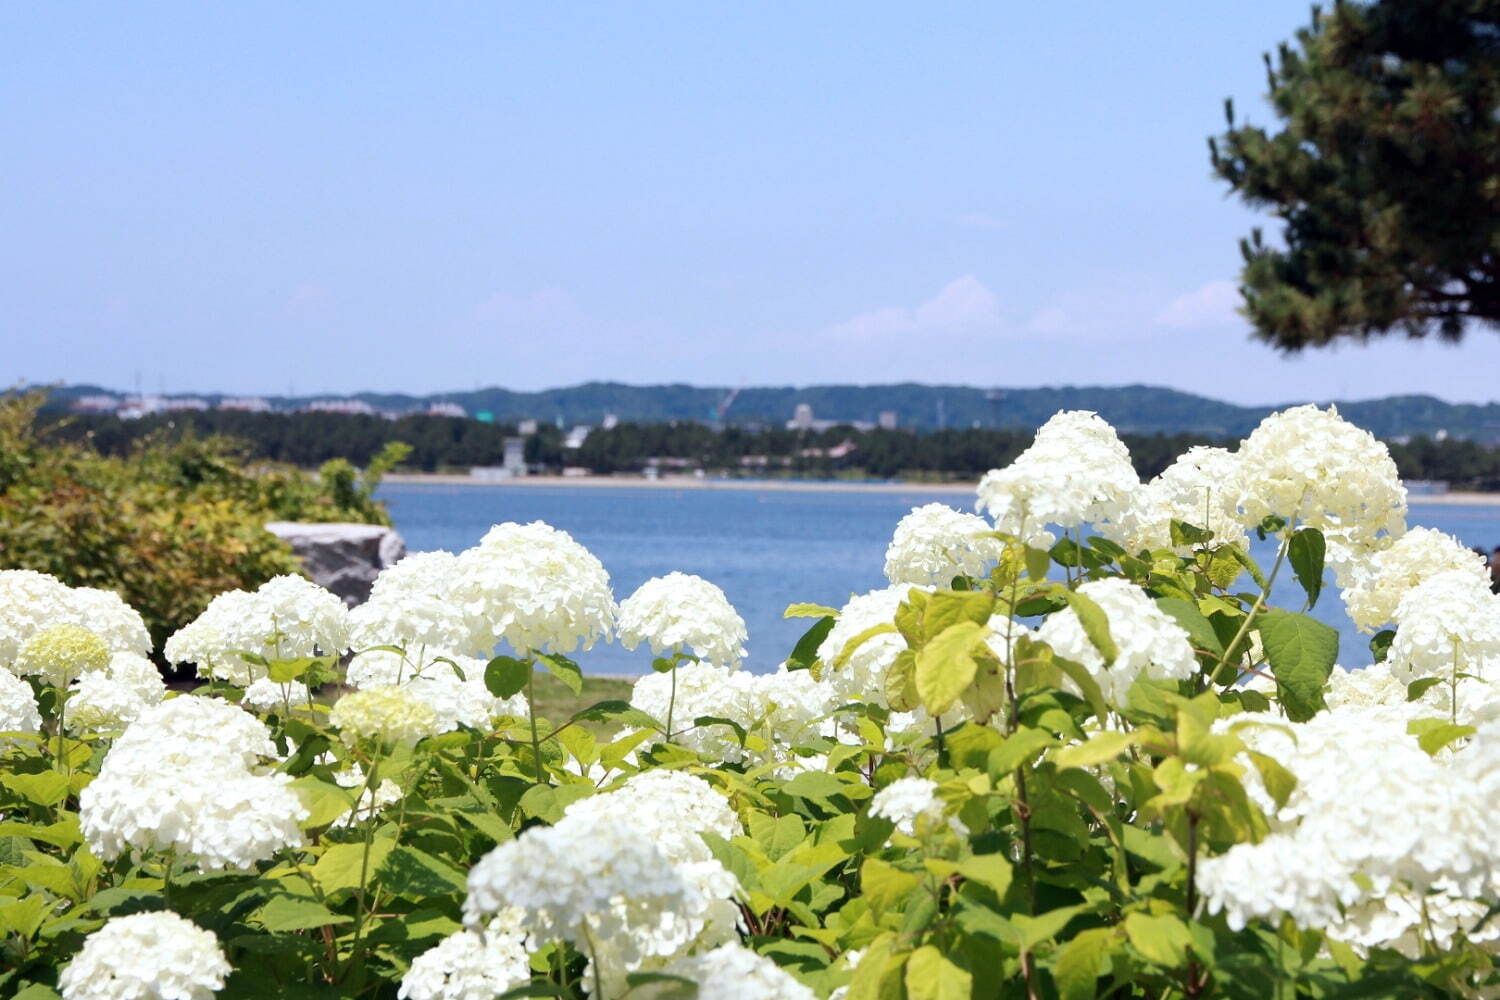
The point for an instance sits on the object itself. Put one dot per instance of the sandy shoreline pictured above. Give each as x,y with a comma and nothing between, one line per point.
1456,499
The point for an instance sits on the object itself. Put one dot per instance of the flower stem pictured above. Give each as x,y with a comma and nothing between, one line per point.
536,742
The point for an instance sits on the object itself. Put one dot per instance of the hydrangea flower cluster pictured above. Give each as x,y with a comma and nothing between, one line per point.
1424,854
535,588
1149,642
732,972
146,956
60,654
913,805
1076,472
1449,623
1376,585
183,778
1313,466
680,612
784,709
33,602
935,543
114,697
1202,487
389,716
471,964
285,618
18,710
411,606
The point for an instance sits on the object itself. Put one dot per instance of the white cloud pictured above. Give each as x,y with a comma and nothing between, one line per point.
962,305
1212,305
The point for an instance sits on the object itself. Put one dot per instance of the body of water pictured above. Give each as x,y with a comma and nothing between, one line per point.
768,548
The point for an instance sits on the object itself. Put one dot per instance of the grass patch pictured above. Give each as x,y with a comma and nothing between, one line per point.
557,704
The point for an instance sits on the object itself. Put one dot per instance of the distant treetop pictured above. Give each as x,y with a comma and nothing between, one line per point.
1386,175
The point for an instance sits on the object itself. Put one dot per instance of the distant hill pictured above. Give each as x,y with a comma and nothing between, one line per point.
1140,409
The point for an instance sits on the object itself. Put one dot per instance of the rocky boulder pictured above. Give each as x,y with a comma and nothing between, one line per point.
343,557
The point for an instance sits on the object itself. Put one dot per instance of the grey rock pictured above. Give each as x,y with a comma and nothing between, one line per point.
345,558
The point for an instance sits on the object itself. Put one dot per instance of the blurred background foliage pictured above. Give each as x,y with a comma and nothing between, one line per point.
168,524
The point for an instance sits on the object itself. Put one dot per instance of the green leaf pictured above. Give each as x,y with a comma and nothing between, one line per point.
1302,652
817,785
853,644
1380,644
931,976
285,912
1019,747
946,666
883,885
1095,625
667,986
1100,748
1243,558
1306,552
1278,780
1038,562
805,653
340,866
947,608
506,676
990,870
323,800
286,671
1200,631
1162,940
46,788
1080,963
620,711
1184,534
1435,734
564,670
417,875
1421,686
803,610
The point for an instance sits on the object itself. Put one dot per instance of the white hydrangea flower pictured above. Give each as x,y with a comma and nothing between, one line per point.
192,729
98,703
862,677
146,956
33,602
1376,690
1376,585
1314,466
784,709
732,972
683,612
1076,472
671,809
1424,833
265,694
935,543
594,883
369,801
534,587
285,618
1150,643
1202,488
60,654
18,711
180,779
410,606
471,964
450,684
29,602
1450,621
105,614
114,697
385,714
910,801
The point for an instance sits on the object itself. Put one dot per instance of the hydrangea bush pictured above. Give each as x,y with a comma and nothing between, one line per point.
1042,763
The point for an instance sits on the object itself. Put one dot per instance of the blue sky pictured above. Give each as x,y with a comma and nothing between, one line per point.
426,197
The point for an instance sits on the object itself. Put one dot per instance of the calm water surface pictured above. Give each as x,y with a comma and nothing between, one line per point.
765,548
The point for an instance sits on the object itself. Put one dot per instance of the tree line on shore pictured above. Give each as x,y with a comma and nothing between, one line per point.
450,443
